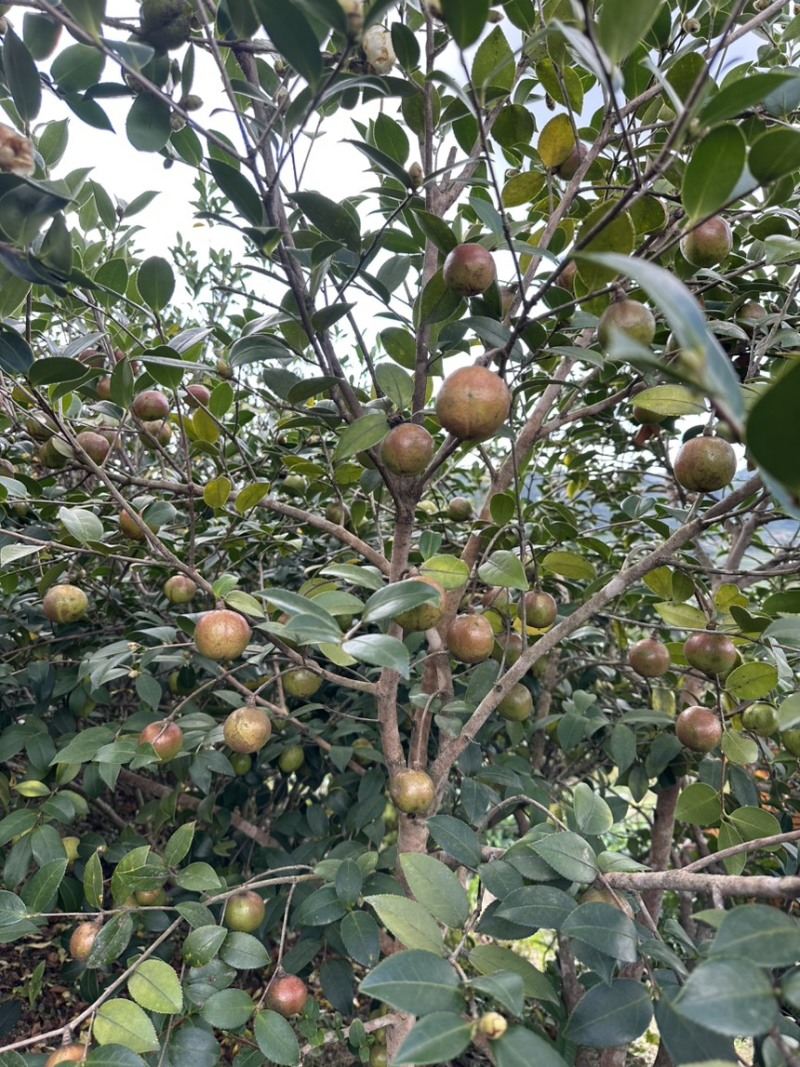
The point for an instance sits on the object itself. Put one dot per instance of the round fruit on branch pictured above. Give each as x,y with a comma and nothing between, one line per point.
150,405
459,509
165,736
64,603
67,1054
287,995
247,729
407,450
301,683
698,729
630,318
222,634
412,792
179,589
469,270
470,638
760,719
291,759
244,912
707,244
95,445
83,937
710,652
473,403
517,704
492,1025
197,396
541,609
705,464
650,658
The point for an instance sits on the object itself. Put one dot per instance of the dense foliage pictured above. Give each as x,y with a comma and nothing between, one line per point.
542,800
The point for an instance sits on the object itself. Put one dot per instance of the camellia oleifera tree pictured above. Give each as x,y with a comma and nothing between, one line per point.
428,583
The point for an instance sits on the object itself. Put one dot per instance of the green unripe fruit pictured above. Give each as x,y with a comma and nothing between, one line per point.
407,450
627,317
426,615
244,912
790,739
301,683
291,759
166,24
705,464
412,792
517,705
64,603
708,244
760,719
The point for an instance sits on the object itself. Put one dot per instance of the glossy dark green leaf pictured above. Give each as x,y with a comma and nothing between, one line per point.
39,893
416,982
761,935
156,282
465,19
22,76
611,1015
519,1047
239,191
229,1009
54,369
456,839
330,218
360,936
147,125
605,928
622,25
772,432
735,98
276,1039
567,853
383,162
436,887
88,14
40,33
379,650
774,153
537,907
732,997
77,67
437,1038
713,171
292,35
689,1042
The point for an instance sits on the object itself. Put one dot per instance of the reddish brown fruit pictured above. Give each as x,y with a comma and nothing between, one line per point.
469,270
95,445
565,279
473,403
222,634
151,898
705,464
517,705
179,589
197,396
150,405
708,244
83,937
407,449
166,738
244,912
426,615
103,387
698,729
649,658
52,457
541,609
66,1054
710,652
412,792
508,648
64,603
247,729
470,638
287,995
159,429
130,528
627,317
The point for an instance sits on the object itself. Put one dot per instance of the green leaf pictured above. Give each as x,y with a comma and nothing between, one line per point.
556,141
147,124
362,434
228,1010
736,97
39,893
592,814
411,923
113,1056
436,303
177,848
622,25
40,34
416,982
436,887
713,172
361,939
321,908
610,1015
568,854
539,907
761,935
491,959
685,616
379,650
493,68
87,13
507,988
333,220
436,1038
397,384
671,401
22,76
771,429
456,839
449,571
216,493
774,153
738,748
382,161
119,1022
396,598
465,19
276,1039
203,944
16,356
238,190
251,496
519,1047
93,881
77,67
349,881
156,282
729,997
292,35
569,565
155,986
753,823
505,569
244,952
605,928
83,525
699,804
595,263
198,878
688,323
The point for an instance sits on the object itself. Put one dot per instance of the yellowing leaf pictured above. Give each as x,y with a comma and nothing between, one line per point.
556,141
